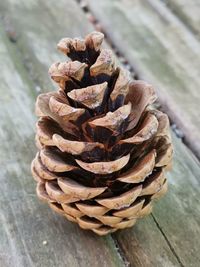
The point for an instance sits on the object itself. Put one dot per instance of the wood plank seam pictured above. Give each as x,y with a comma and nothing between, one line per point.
115,242
97,25
8,115
120,251
167,240
167,103
136,74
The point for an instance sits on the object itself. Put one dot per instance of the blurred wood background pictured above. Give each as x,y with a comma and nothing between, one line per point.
159,41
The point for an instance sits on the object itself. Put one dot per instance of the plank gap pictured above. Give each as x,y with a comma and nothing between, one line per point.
97,25
102,239
120,251
179,128
167,241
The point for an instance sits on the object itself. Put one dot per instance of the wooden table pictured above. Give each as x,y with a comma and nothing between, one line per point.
161,41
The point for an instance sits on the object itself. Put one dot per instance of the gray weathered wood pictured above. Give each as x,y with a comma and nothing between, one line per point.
188,12
38,26
165,53
31,222
31,234
143,247
177,216
26,222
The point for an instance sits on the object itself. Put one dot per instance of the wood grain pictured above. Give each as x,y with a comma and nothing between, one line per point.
38,33
26,221
177,216
31,234
163,51
188,12
27,224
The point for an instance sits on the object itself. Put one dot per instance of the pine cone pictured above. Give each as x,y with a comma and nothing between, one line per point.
103,149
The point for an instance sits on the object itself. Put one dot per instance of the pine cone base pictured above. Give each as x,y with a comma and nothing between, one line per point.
103,149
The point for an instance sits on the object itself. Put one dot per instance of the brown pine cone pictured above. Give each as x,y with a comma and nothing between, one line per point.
103,150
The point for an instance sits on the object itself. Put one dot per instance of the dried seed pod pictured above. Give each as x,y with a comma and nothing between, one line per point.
103,150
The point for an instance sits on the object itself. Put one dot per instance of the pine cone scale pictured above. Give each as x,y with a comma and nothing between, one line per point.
141,170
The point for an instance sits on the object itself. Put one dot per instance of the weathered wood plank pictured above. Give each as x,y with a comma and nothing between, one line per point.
163,51
26,222
188,12
41,69
145,235
177,216
143,247
38,26
26,229
31,235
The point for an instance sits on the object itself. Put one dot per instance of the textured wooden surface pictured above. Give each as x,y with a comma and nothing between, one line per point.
31,234
38,33
188,12
177,216
163,51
